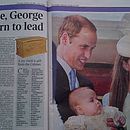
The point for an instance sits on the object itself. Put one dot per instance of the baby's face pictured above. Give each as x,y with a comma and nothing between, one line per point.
90,105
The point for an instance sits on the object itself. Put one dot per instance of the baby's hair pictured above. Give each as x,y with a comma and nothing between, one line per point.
74,97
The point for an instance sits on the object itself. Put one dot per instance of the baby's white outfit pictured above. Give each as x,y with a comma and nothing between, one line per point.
97,122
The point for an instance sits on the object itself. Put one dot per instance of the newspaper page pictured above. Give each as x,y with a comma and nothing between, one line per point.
112,22
23,65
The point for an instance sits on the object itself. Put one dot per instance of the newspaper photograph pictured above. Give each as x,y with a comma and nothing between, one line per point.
64,65
90,67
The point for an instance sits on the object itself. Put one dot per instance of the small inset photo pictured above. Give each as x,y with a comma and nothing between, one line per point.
30,46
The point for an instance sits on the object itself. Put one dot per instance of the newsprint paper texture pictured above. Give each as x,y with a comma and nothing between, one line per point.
112,20
23,65
28,57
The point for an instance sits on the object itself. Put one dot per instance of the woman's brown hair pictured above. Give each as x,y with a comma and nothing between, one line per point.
120,83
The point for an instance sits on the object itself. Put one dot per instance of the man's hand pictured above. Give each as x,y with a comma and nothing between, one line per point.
110,123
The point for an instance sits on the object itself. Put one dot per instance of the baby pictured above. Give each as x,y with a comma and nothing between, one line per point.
90,113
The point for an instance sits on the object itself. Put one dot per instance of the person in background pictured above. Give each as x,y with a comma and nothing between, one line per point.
119,95
77,38
90,113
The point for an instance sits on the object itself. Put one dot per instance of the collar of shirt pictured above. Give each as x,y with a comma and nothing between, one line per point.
65,66
67,69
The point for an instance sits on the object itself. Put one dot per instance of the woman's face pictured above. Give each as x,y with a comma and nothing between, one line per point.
128,69
126,65
129,65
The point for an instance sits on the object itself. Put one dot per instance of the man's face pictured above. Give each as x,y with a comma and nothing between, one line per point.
79,49
89,105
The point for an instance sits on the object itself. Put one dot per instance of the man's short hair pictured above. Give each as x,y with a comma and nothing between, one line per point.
73,24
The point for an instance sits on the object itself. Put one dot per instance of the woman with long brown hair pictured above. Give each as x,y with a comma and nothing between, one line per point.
119,95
